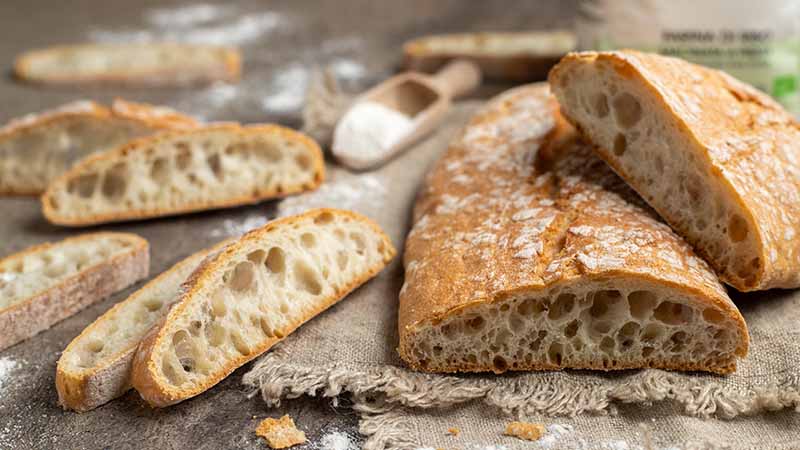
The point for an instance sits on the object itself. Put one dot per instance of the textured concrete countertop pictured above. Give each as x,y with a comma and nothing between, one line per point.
281,40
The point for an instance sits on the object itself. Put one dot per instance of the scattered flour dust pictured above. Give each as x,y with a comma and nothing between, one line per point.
336,440
231,227
365,194
7,367
196,24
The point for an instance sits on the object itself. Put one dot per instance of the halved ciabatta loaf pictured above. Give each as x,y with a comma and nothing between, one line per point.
146,64
716,158
177,172
528,253
253,294
36,148
95,367
47,283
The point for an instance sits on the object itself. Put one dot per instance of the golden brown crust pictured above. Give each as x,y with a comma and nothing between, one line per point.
747,138
142,115
86,389
40,311
146,143
518,207
146,377
525,430
228,66
527,64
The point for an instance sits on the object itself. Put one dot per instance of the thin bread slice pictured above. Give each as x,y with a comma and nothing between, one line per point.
170,173
142,64
716,158
253,294
37,148
520,56
528,253
47,283
95,367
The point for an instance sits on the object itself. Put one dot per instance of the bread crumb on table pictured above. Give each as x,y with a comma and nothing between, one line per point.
454,431
280,433
524,430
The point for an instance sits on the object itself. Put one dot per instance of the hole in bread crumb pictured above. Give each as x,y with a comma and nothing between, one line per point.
115,181
83,185
276,260
184,156
239,343
153,304
323,218
627,110
554,353
307,278
361,244
641,303
95,346
607,345
713,315
530,306
257,256
159,171
647,351
602,301
499,364
673,313
600,105
737,228
303,161
620,144
218,307
561,307
572,329
216,334
475,324
651,333
184,350
172,375
215,164
243,276
308,240
341,259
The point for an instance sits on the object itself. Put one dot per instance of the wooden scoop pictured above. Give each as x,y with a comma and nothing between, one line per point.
424,99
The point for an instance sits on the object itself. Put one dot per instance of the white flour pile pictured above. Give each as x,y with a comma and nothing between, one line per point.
367,133
361,193
196,24
7,367
336,440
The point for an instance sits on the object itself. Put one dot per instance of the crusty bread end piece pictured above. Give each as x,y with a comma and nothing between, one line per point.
528,253
141,64
254,293
716,158
95,367
521,56
170,173
47,283
36,148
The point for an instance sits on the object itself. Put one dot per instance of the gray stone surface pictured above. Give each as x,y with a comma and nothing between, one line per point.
352,33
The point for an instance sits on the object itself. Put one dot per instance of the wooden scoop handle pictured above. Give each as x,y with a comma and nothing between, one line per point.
458,77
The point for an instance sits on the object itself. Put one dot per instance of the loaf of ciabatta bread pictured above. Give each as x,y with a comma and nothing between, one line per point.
95,367
252,294
141,64
515,56
716,158
47,283
36,148
528,253
177,172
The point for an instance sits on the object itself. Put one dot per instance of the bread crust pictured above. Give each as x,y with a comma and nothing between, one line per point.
747,139
39,312
146,143
228,66
85,389
138,114
516,66
517,158
151,384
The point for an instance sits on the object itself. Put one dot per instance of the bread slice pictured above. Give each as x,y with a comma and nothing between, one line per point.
254,293
95,367
522,56
47,283
36,148
528,253
716,158
142,64
177,172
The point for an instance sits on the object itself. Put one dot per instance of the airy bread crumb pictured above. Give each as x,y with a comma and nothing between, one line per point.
525,430
280,433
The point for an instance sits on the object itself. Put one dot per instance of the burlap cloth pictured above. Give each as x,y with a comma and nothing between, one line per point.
350,352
